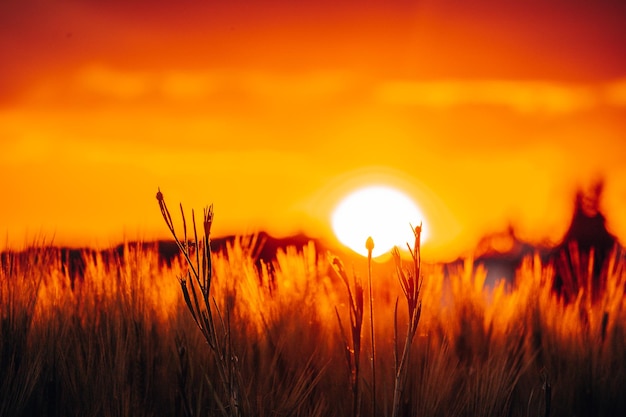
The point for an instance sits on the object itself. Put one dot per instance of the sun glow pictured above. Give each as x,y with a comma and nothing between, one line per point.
384,213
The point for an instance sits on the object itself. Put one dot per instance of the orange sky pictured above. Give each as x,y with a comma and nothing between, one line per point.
487,114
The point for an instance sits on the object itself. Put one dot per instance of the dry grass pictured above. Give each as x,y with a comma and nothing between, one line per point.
411,284
120,340
352,344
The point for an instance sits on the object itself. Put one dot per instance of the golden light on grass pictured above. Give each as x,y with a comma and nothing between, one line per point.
379,211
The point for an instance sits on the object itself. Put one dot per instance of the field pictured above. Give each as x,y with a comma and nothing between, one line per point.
120,340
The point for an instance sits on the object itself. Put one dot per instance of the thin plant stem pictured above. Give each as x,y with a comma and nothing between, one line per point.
411,283
352,348
202,307
369,245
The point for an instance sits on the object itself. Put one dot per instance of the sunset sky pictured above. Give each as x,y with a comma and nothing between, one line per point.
485,112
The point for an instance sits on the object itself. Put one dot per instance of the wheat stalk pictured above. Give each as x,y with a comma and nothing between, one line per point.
411,283
353,347
196,289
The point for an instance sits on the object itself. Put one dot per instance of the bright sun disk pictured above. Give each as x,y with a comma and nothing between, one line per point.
384,213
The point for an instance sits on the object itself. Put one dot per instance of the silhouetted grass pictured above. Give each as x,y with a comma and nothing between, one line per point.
120,340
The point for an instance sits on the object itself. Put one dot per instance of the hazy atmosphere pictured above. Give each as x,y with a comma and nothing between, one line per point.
486,114
486,139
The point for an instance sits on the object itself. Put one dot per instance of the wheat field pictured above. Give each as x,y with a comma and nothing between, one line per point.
119,340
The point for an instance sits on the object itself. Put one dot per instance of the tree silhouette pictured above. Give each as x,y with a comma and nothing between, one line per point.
580,259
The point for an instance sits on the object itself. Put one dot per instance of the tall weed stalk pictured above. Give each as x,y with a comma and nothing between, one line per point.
369,245
215,326
353,345
411,283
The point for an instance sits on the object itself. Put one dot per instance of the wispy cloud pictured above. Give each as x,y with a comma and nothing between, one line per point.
520,96
94,82
119,84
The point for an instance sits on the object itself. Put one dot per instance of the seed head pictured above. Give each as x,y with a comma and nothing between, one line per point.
208,220
418,230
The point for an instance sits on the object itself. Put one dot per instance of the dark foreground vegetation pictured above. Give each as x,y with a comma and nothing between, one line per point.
120,341
294,339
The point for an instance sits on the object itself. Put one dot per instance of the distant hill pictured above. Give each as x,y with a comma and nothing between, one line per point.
500,253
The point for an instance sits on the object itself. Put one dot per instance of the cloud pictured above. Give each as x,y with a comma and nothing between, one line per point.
94,83
520,96
113,83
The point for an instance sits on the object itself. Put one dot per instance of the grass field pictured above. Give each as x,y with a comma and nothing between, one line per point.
120,341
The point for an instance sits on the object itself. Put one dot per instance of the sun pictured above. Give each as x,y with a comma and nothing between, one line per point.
382,212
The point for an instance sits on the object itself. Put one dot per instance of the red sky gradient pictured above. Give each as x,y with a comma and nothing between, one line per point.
485,112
